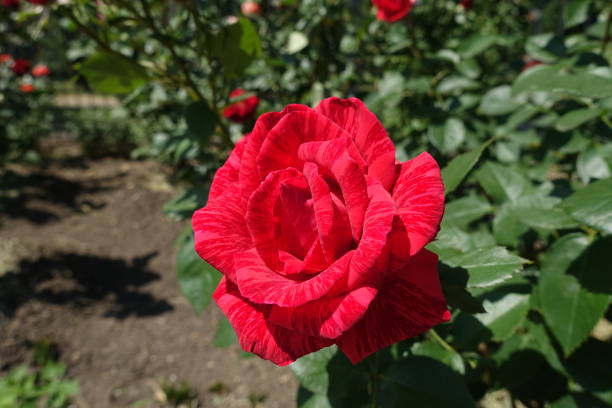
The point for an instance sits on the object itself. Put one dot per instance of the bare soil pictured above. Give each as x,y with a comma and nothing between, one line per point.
87,262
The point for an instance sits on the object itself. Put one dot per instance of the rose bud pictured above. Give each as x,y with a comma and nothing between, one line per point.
20,66
320,235
26,88
40,2
40,70
530,63
250,8
243,110
393,10
4,58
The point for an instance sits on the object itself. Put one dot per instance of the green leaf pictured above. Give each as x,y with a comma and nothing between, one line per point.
487,266
501,182
456,170
332,380
505,310
455,84
465,210
476,44
111,73
592,205
499,101
575,12
454,281
590,164
225,335
448,137
197,279
590,367
576,118
416,380
296,42
432,349
201,120
236,46
185,203
549,219
570,309
550,79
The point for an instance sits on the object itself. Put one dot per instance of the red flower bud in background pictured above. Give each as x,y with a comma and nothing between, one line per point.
40,70
392,10
20,66
250,8
243,110
10,3
40,2
26,88
466,4
4,58
530,63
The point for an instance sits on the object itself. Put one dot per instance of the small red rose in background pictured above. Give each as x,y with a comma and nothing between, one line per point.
20,66
530,63
10,3
4,58
392,10
40,70
243,110
320,235
250,8
40,2
26,88
466,4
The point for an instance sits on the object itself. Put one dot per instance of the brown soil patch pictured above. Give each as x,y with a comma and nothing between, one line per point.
87,262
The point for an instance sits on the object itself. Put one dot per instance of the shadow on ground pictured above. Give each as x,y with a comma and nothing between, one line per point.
39,196
83,281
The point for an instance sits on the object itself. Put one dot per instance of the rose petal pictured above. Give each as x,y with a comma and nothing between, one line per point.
260,216
256,334
220,231
249,176
408,304
368,133
279,150
419,196
332,221
260,284
328,318
333,156
228,173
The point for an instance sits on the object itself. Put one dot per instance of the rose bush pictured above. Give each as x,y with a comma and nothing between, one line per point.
392,10
319,234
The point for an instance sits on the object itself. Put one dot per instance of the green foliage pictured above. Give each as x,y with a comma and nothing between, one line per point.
44,387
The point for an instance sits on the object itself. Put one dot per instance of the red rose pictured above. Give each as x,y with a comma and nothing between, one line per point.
4,58
466,4
40,70
20,66
26,88
10,3
392,10
320,235
249,8
530,63
243,110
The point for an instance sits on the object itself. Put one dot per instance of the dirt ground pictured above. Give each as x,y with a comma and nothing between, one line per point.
87,261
